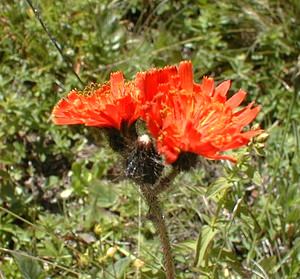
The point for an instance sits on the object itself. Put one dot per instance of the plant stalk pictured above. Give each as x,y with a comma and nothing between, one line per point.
156,216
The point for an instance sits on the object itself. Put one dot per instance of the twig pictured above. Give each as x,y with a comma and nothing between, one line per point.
53,40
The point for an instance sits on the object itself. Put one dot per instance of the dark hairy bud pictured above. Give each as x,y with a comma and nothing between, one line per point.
116,140
185,161
143,164
119,140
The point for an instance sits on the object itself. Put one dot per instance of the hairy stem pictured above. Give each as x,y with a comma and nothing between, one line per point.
156,216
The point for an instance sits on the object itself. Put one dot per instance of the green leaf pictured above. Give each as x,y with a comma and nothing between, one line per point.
218,186
117,270
257,180
203,243
29,267
104,193
268,263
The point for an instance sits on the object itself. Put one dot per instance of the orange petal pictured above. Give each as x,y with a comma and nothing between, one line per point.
208,86
243,110
252,133
72,96
61,106
150,85
65,112
236,99
221,90
117,84
247,116
237,142
186,75
169,153
166,73
59,120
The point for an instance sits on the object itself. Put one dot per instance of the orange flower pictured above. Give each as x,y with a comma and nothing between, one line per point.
107,105
186,117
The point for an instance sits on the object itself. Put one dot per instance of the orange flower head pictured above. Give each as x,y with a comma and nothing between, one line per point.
186,117
107,105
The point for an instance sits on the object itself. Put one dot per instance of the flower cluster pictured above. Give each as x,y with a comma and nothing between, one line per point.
100,105
184,117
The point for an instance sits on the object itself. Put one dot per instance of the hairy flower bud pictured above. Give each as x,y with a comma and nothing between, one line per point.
143,164
186,161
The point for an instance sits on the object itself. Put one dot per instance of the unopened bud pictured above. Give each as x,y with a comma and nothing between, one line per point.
226,273
138,263
255,127
119,139
65,194
98,229
260,145
246,154
144,165
83,260
262,137
186,161
30,13
116,139
102,259
111,251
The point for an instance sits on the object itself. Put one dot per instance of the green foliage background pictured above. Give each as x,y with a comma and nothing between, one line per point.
63,201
